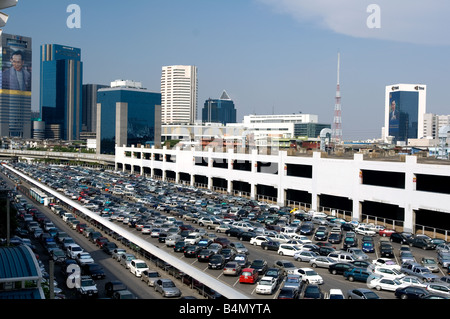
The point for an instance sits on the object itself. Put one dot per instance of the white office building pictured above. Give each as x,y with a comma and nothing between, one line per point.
179,94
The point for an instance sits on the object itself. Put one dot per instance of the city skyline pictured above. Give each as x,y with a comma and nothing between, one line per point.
271,56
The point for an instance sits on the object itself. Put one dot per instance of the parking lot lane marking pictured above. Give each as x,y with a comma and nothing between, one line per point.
237,281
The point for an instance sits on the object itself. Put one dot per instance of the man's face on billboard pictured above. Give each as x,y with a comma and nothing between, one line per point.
17,62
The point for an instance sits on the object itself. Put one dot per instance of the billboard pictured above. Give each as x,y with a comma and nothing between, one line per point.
16,64
394,114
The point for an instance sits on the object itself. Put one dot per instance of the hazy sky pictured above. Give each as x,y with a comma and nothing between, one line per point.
271,56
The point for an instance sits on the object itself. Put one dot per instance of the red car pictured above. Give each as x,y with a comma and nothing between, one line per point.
248,276
101,241
386,232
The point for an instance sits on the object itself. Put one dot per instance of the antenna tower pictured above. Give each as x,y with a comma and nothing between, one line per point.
337,120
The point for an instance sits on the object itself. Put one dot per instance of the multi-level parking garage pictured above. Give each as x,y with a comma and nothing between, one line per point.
227,286
404,194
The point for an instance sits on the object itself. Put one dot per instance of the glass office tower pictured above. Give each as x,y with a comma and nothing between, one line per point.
15,92
219,110
127,116
61,91
404,111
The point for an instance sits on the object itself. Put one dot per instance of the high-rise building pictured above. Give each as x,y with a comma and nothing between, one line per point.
61,91
15,92
220,110
179,94
127,114
89,106
432,123
405,107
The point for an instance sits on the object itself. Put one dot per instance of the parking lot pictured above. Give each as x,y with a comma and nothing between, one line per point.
159,211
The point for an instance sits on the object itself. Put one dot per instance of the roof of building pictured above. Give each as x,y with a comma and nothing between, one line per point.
18,262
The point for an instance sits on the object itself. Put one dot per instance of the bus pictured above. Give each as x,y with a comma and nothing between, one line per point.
40,196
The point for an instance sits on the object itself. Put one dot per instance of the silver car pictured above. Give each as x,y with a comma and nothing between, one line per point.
322,262
305,255
167,288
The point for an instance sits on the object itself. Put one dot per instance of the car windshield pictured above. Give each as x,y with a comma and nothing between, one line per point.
429,261
258,263
265,282
293,280
246,273
272,272
168,284
371,295
87,283
311,273
288,265
141,265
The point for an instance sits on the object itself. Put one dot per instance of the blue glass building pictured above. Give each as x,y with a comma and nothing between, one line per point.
220,110
127,116
61,88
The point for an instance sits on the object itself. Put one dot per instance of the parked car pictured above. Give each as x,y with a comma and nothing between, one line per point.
305,255
430,263
401,238
94,270
249,276
150,276
287,250
167,288
286,266
321,262
266,286
293,281
113,286
362,293
357,274
312,291
231,268
87,287
260,265
137,266
270,245
422,242
310,276
410,292
437,288
288,293
339,268
382,283
216,262
335,294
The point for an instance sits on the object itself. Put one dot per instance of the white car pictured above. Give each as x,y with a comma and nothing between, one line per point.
146,230
389,273
73,250
365,231
385,284
310,276
386,263
287,250
193,239
412,281
137,266
302,239
335,294
266,285
84,258
258,240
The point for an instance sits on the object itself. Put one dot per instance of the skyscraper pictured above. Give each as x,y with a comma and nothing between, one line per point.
89,106
61,91
15,93
405,107
127,114
179,94
220,110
